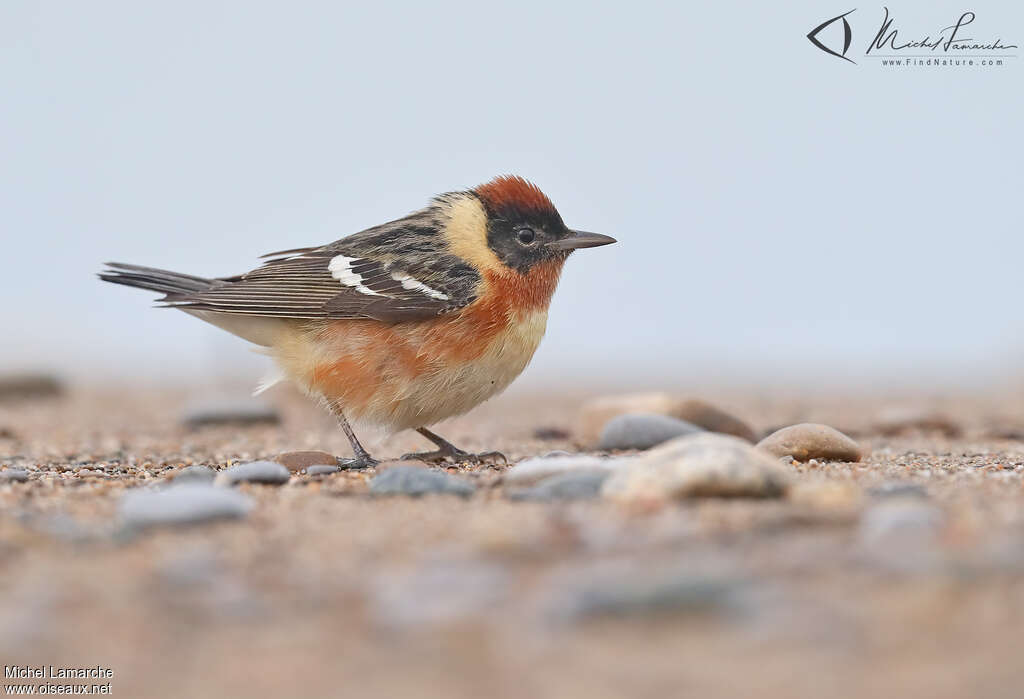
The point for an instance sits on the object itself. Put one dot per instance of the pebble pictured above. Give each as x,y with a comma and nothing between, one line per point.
642,431
712,419
901,420
90,473
13,475
296,461
20,386
266,472
417,481
595,414
808,441
899,517
551,433
195,474
654,595
701,465
828,495
566,486
542,467
190,503
896,489
230,412
321,470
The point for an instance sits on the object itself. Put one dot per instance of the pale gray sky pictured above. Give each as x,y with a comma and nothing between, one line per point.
780,211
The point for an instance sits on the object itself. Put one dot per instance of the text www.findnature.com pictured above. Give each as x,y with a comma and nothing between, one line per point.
942,62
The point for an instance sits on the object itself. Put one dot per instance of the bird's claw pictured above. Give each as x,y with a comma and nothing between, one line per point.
359,463
457,456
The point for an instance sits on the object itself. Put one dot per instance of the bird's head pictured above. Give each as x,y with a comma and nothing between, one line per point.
519,225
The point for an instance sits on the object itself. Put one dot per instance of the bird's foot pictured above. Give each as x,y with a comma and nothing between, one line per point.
359,463
456,455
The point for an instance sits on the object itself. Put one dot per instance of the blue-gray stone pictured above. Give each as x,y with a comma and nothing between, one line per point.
642,431
195,474
416,481
267,472
321,470
565,486
190,503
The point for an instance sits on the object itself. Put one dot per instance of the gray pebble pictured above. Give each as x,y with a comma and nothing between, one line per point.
195,474
415,481
13,475
267,472
899,518
190,503
651,595
230,412
565,486
896,489
321,470
642,431
553,463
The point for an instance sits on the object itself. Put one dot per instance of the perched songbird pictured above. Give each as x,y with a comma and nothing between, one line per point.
403,324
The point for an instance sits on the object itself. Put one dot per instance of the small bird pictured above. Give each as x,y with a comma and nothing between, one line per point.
403,324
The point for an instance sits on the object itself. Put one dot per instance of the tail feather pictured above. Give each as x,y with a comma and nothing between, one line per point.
166,282
176,287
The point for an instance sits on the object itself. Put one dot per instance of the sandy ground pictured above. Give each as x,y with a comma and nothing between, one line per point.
861,586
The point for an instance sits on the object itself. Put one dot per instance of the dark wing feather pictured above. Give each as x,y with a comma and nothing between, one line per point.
396,272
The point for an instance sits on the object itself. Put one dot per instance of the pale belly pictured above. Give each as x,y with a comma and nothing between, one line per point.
408,377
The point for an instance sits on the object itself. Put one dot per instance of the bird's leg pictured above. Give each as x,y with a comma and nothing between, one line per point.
447,450
362,457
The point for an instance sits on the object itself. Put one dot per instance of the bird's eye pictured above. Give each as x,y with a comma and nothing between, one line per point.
526,235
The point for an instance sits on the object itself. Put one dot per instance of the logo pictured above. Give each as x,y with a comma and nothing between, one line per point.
953,45
847,36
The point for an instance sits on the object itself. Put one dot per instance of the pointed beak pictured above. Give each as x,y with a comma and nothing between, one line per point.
581,239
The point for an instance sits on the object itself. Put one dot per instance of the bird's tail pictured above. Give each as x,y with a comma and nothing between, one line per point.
178,287
168,283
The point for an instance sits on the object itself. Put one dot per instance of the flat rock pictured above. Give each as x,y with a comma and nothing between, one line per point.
416,481
640,593
580,485
541,467
189,503
808,441
898,489
296,461
595,414
700,465
551,433
266,472
642,431
899,518
230,412
21,386
195,474
712,419
13,475
902,420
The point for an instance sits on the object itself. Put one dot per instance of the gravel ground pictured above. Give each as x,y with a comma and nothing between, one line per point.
899,575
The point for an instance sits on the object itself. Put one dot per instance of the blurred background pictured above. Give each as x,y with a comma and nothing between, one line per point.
783,215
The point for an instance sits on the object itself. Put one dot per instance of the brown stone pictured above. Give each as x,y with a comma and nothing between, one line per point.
896,421
296,461
712,419
808,441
